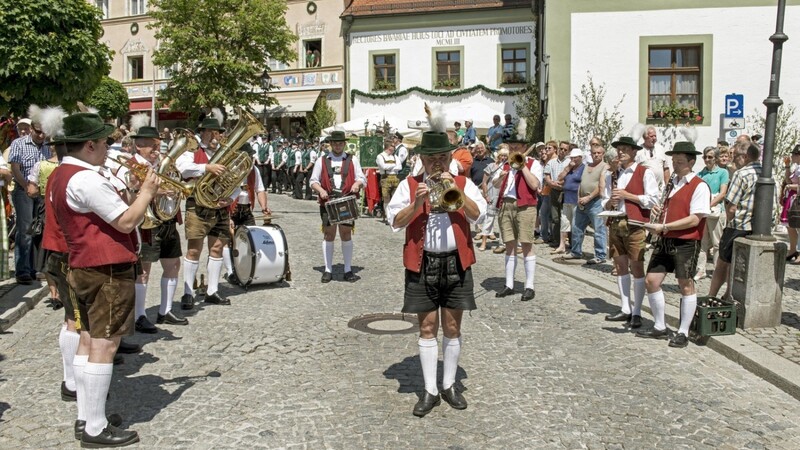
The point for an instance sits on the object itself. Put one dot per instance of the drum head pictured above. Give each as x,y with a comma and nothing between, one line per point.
244,261
261,254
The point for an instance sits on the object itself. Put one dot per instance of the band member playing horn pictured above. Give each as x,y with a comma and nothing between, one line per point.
99,228
635,192
680,232
438,255
161,243
336,175
519,183
204,222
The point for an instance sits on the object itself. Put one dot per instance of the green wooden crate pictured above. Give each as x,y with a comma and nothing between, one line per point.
714,317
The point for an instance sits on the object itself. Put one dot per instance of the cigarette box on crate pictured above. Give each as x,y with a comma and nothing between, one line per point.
714,317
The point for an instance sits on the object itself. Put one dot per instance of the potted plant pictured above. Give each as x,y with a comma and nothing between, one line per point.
675,112
448,83
384,85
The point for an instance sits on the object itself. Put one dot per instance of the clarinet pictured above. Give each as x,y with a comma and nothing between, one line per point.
656,218
610,205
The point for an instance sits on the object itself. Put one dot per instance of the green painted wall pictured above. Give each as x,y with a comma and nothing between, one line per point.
558,42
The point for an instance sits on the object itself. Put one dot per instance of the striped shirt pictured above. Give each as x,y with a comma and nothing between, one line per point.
26,153
741,192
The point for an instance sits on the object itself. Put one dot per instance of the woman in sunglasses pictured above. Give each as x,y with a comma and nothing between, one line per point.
717,179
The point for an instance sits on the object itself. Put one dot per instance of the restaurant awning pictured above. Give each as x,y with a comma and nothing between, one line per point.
293,103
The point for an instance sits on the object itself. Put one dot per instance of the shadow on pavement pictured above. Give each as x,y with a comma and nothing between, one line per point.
791,319
3,408
596,306
338,269
408,374
496,284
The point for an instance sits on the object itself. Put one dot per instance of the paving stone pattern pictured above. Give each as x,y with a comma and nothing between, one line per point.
279,368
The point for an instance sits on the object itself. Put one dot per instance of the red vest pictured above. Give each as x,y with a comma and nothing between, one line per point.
200,156
678,206
349,180
525,195
636,187
415,231
52,237
91,240
251,192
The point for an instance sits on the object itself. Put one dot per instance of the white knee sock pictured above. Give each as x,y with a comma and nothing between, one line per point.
624,285
97,380
656,300
214,271
511,266
327,253
638,295
189,272
530,271
451,350
79,364
168,288
68,343
141,297
688,305
429,359
347,254
226,259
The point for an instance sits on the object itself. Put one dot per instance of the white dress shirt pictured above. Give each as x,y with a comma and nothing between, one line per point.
651,193
511,189
701,197
387,164
336,165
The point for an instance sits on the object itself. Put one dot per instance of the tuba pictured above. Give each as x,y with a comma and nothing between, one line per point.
209,188
443,193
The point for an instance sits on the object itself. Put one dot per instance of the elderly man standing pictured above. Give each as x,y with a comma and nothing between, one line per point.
495,134
652,157
469,135
739,203
24,153
571,177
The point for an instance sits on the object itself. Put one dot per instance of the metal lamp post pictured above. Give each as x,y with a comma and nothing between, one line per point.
266,83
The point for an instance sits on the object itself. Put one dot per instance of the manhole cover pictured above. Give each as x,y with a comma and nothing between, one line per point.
385,323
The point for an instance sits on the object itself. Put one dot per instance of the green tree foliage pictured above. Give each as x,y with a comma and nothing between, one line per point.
217,49
529,107
590,116
110,99
50,53
320,118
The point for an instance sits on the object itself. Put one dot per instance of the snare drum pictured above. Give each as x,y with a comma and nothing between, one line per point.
260,254
342,210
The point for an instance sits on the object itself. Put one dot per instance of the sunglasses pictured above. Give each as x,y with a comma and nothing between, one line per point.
709,157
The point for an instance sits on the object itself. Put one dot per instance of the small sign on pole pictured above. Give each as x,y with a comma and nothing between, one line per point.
734,106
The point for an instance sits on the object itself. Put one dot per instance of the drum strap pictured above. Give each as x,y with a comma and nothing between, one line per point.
345,170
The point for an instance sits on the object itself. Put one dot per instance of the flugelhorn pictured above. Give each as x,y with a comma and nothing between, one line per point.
140,172
442,192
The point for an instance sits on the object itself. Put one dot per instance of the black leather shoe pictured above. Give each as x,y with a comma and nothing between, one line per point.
172,319
652,333
144,326
619,316
187,302
426,404
127,347
118,359
111,436
217,300
326,277
349,277
679,341
67,395
24,279
232,279
529,294
454,398
505,292
636,321
80,425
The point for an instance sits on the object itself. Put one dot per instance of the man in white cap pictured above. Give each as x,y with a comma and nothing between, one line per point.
469,133
24,127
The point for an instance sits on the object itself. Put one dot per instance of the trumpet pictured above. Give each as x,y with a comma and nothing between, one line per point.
517,160
140,172
443,192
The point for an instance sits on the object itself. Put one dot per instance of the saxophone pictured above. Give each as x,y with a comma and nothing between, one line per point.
210,189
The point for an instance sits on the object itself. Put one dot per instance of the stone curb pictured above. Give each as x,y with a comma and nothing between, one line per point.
27,303
774,369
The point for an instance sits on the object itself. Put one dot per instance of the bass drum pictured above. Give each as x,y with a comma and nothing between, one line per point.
260,255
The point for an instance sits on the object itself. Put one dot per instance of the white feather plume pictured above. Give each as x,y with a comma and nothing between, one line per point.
138,121
522,129
690,133
92,109
216,113
34,113
437,121
52,120
637,132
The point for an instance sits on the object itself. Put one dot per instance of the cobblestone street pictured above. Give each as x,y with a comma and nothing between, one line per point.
280,368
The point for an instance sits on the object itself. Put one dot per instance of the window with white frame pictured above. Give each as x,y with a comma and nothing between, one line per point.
674,78
448,69
137,7
274,64
102,5
135,68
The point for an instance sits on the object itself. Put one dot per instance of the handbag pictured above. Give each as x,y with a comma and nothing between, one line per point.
793,215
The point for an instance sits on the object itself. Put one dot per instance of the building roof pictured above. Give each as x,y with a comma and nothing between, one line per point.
360,8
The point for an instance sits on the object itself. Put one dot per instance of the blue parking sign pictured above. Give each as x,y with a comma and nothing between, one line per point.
734,106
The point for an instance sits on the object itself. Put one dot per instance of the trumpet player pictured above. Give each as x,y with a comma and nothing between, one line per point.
680,232
635,193
161,243
204,222
437,257
519,182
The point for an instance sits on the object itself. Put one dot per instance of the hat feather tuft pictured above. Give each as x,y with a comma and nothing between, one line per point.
436,118
216,113
138,121
637,132
52,120
690,133
522,129
34,113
